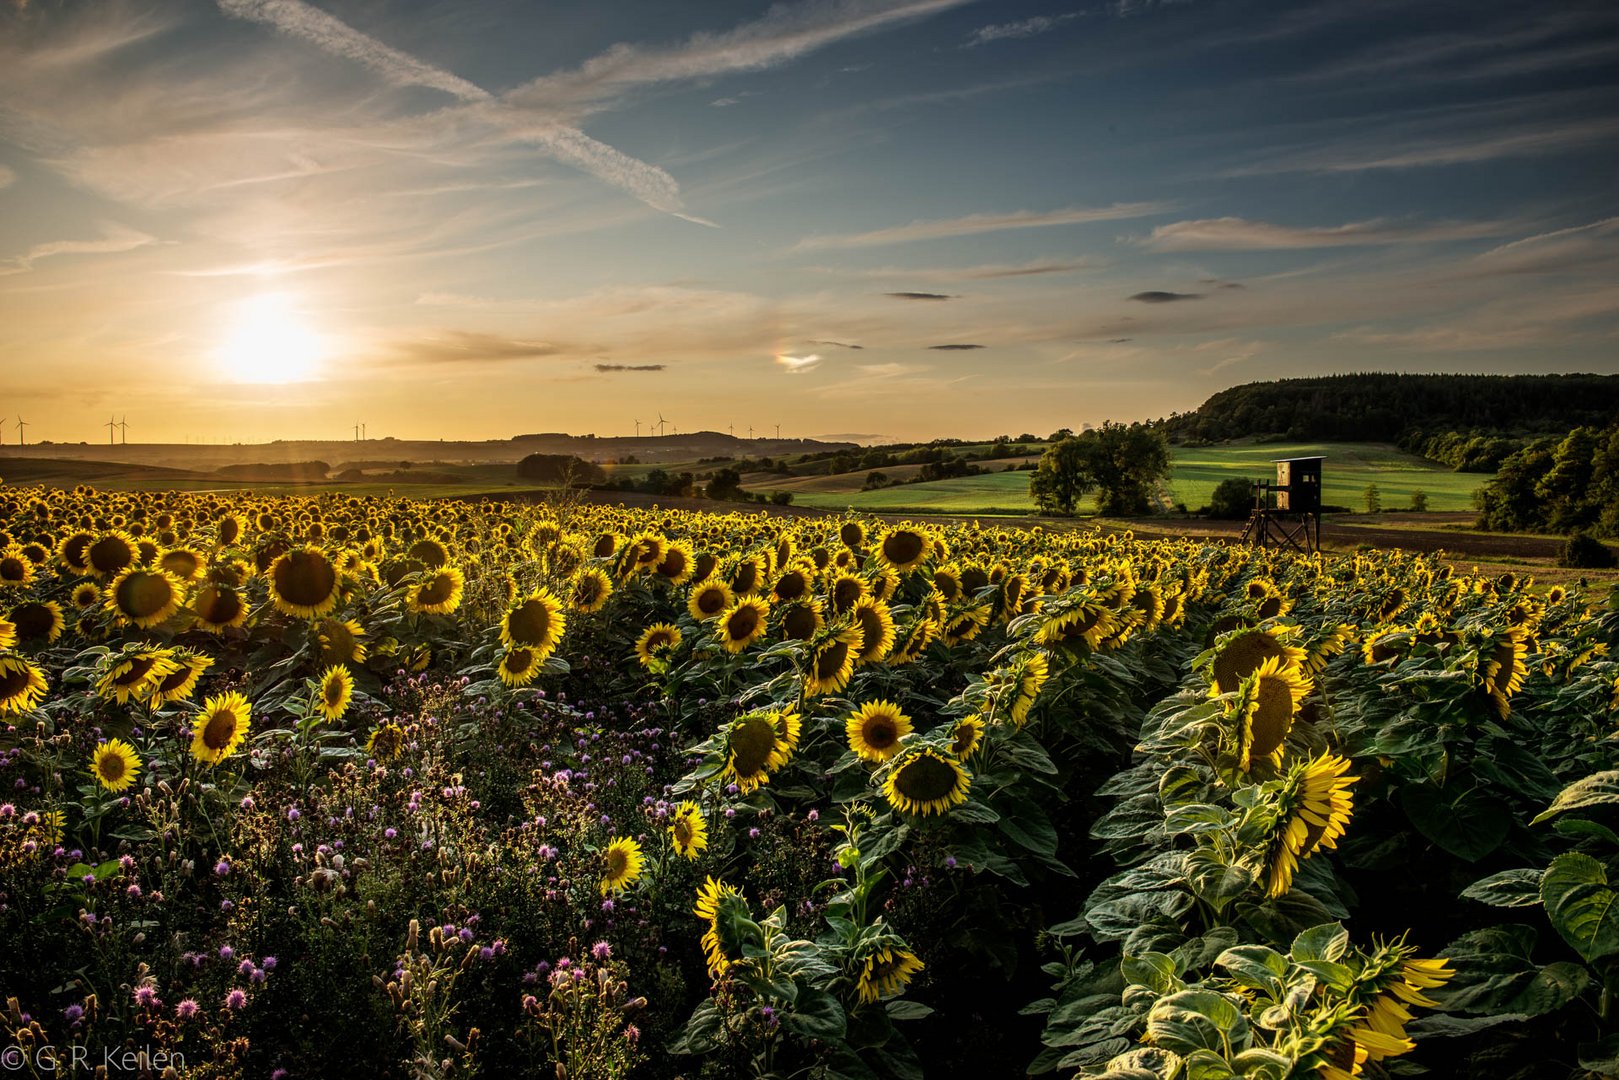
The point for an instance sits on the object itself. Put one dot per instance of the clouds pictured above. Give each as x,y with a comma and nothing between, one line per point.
466,346
798,365
1241,234
7,177
977,224
1158,296
956,348
919,296
115,239
1023,28
630,367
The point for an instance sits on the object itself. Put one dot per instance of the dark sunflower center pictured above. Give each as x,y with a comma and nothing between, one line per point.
683,831
334,692
437,591
711,601
742,623
902,546
925,778
136,671
879,731
144,595
219,606
113,767
430,553
792,585
966,736
219,731
518,661
847,593
13,681
618,861
13,569
305,578
830,660
33,619
673,564
752,742
799,623
110,554
747,577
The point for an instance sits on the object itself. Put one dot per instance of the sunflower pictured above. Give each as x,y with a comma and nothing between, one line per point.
676,565
185,564
386,741
220,728
875,730
688,830
181,683
793,584
886,971
335,692
1502,669
1315,806
142,597
590,590
853,534
742,624
115,765
965,736
802,622
1026,676
519,666
304,583
1242,652
963,622
1326,644
1085,622
15,568
109,554
832,661
926,782
430,552
340,641
912,641
437,593
713,896
134,674
85,595
622,861
219,608
747,576
74,553
876,630
754,750
535,622
1268,704
846,591
789,726
37,620
22,685
904,548
709,600
656,641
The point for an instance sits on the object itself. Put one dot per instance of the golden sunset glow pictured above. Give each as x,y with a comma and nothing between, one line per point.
268,340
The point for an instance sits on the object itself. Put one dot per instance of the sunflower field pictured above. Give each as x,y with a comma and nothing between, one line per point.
331,786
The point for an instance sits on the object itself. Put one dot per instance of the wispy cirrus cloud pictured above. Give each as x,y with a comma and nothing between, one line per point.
630,367
1579,247
975,224
115,239
957,347
785,32
1022,28
980,272
469,346
836,344
1242,234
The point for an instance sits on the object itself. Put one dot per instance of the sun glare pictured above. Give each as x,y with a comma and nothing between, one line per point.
268,340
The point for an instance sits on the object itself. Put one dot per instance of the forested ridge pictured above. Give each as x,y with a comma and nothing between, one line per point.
1407,409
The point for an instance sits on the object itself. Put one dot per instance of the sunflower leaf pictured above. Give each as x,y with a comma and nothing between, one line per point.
1509,888
1595,790
1581,906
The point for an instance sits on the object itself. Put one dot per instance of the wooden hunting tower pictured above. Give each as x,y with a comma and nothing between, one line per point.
1288,511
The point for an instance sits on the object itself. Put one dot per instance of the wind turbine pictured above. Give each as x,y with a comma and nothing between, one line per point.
111,423
638,429
750,432
778,431
661,423
2,429
123,426
22,431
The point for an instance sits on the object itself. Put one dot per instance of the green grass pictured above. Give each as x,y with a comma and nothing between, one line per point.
1346,472
1001,492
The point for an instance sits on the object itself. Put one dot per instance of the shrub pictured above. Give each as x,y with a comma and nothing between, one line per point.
1585,552
1232,500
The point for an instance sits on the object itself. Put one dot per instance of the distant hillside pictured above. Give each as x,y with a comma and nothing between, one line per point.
1393,408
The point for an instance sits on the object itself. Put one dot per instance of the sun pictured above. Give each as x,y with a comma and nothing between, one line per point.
268,340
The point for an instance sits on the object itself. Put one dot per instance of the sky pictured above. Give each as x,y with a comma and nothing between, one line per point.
895,219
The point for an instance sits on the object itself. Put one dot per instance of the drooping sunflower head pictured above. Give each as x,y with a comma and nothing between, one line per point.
876,630
742,623
875,730
1264,712
341,641
1502,668
110,553
801,622
911,641
1312,810
622,862
832,660
656,643
430,551
1075,624
754,749
219,608
186,564
304,583
688,830
718,902
965,735
134,673
115,765
180,683
142,597
925,782
334,692
884,971
22,685
220,728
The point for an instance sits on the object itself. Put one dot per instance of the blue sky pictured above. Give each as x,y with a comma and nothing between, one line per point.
901,218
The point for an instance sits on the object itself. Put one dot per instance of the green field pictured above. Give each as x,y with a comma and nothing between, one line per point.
1196,471
1346,472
